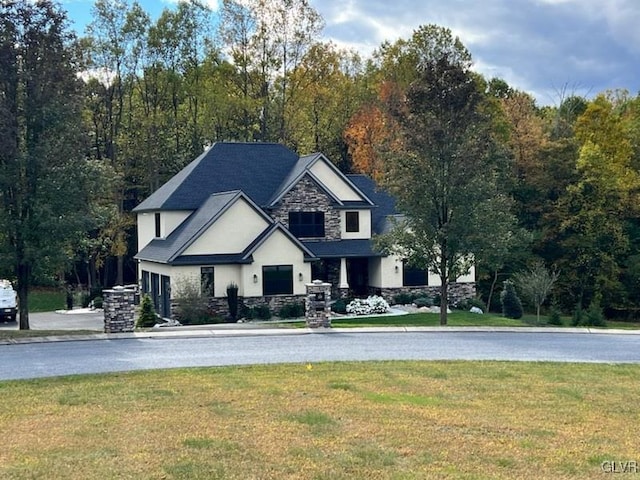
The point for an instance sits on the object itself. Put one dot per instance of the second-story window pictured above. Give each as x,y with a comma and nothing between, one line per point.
352,221
157,222
306,224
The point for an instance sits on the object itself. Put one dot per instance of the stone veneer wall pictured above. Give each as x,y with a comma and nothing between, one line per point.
318,304
119,309
456,291
306,196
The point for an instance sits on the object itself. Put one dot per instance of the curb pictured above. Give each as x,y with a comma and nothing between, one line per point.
262,332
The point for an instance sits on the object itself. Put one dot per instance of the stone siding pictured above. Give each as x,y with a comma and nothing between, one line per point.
119,309
456,292
306,196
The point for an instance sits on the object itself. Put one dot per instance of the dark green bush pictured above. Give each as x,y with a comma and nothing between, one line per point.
292,310
467,304
259,312
340,306
147,317
97,302
554,316
577,317
511,304
436,300
423,302
403,299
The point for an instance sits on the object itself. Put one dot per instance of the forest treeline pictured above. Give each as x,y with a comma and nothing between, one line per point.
149,95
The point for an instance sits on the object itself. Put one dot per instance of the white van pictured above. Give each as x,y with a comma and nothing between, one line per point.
8,302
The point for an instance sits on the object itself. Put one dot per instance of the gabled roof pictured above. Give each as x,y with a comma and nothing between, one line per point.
302,168
257,169
385,203
277,226
167,250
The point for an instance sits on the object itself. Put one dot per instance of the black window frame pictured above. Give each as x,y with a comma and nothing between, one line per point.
207,281
156,218
277,280
307,224
349,219
414,277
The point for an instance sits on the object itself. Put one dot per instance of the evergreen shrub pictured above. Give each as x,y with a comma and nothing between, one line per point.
511,304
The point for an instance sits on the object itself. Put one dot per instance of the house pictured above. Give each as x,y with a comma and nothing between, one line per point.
259,216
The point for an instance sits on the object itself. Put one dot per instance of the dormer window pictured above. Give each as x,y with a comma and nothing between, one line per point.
352,220
306,224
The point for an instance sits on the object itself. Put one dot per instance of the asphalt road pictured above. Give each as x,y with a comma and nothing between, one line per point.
33,360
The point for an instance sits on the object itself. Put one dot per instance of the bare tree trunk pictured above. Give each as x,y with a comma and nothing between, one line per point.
493,286
23,295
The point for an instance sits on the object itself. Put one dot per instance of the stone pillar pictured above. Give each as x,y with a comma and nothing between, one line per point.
119,310
318,304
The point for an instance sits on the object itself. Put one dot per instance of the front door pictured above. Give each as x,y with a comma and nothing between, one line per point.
358,276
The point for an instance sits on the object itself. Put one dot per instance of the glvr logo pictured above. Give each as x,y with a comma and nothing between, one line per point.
614,466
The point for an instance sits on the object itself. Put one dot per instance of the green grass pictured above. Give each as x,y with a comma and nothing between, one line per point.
46,300
351,420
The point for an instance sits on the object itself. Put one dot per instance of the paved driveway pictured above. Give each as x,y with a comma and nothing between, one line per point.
73,320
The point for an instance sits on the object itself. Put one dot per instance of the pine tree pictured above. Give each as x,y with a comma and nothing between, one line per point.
511,304
147,317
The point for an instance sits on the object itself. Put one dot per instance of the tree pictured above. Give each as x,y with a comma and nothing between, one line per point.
535,284
511,305
443,168
43,174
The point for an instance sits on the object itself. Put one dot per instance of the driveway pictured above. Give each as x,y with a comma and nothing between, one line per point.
82,319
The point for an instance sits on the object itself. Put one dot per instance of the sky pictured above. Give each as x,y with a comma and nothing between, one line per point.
548,48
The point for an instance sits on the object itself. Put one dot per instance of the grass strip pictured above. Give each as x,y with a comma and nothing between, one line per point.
384,420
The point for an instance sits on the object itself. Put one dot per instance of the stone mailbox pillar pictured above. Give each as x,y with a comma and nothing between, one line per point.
318,304
119,309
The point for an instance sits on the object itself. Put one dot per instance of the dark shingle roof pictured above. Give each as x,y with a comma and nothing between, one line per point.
385,203
342,248
258,169
166,250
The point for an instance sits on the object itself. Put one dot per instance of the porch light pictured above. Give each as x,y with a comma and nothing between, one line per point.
255,278
300,276
397,269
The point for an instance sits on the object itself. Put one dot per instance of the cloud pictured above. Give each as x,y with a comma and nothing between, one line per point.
539,46
212,4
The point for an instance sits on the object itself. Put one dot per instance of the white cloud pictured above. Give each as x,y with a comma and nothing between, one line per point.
212,4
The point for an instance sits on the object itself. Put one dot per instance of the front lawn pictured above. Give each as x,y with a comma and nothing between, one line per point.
383,420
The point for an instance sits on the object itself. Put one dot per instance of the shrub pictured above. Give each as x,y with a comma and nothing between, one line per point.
577,317
97,302
511,304
368,306
339,306
232,300
147,316
554,316
595,316
260,312
292,310
423,302
467,304
193,308
403,299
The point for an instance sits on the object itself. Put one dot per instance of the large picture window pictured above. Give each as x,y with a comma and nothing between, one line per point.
413,277
277,280
306,224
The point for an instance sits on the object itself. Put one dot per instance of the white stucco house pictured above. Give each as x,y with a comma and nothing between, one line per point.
261,217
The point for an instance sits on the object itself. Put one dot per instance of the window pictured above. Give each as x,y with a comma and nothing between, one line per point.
157,219
145,281
277,280
206,281
306,224
352,221
413,277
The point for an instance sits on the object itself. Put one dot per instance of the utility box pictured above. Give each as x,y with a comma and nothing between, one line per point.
318,304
